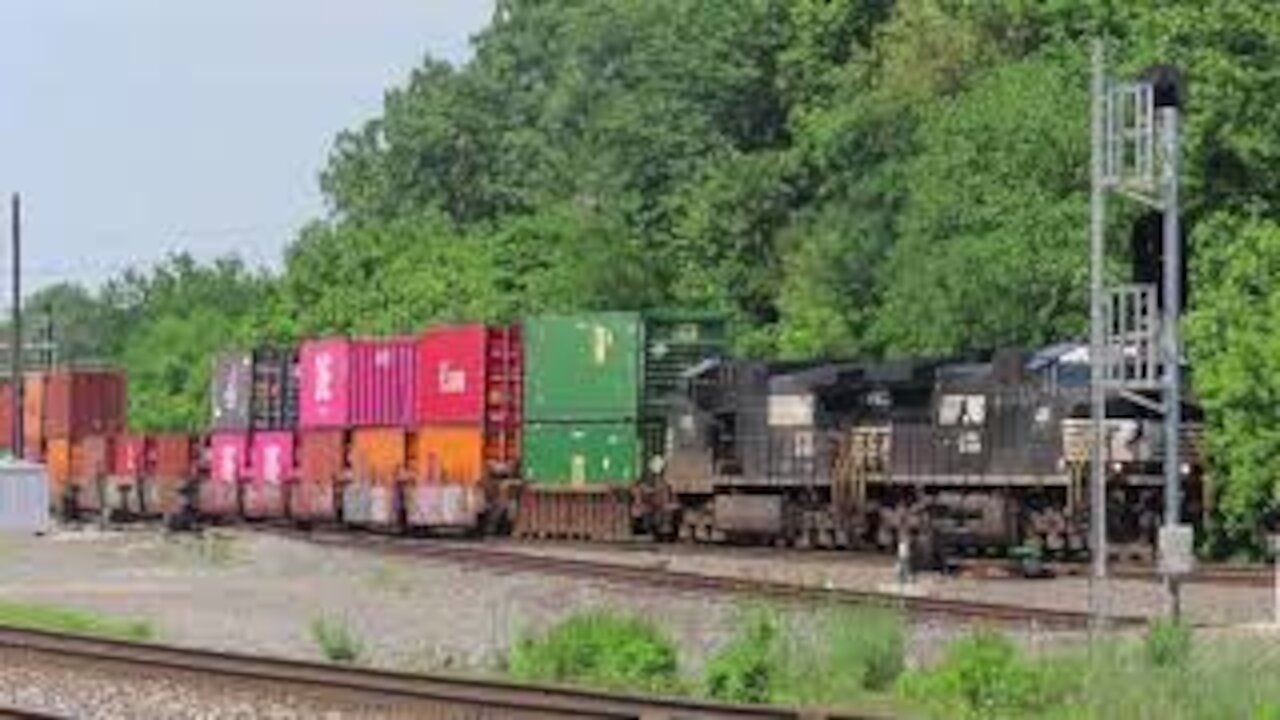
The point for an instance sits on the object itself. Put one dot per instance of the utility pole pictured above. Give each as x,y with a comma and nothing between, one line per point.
15,353
1098,393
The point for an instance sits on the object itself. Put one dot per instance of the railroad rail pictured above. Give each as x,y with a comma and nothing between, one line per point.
664,579
423,695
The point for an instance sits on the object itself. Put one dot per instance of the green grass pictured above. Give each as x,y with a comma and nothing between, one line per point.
842,659
54,618
337,641
600,649
1162,676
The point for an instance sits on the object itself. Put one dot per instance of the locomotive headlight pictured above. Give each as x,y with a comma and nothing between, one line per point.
1117,467
1185,468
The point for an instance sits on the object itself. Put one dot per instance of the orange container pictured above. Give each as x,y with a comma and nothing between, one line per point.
377,454
449,454
58,461
33,385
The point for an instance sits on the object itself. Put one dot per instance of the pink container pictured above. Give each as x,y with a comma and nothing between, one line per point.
384,382
272,458
325,369
229,457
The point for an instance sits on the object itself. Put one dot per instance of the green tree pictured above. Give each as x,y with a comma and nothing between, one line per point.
1235,353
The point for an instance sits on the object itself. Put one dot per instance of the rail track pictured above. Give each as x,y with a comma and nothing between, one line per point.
659,578
436,696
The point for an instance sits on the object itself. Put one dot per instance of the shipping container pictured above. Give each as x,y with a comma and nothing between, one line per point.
84,402
582,367
581,454
24,497
312,501
273,458
232,392
228,466
384,382
6,416
58,460
91,458
449,454
321,464
271,469
33,397
274,394
321,456
170,467
229,457
130,456
172,456
324,373
470,374
377,454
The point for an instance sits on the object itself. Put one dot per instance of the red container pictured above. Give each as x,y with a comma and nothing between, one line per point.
272,458
324,373
171,456
130,456
321,456
84,402
229,457
463,371
6,416
384,382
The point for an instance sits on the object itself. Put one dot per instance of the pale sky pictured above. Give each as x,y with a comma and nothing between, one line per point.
135,127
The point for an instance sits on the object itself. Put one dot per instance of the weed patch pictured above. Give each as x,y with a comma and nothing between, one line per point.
600,649
53,618
848,654
336,640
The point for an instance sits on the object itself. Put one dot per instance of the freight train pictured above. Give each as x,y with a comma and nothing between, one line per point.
609,426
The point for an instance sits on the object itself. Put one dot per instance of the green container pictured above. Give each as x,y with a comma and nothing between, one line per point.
581,454
582,367
675,342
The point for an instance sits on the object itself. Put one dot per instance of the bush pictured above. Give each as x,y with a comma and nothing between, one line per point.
982,675
854,651
747,669
600,649
336,640
1168,643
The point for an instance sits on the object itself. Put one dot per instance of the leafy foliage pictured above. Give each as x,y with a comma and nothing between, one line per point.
983,676
1236,360
849,654
600,649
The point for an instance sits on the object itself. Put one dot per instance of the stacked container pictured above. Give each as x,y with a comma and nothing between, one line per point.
232,398
83,410
582,400
597,391
255,404
369,387
469,403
